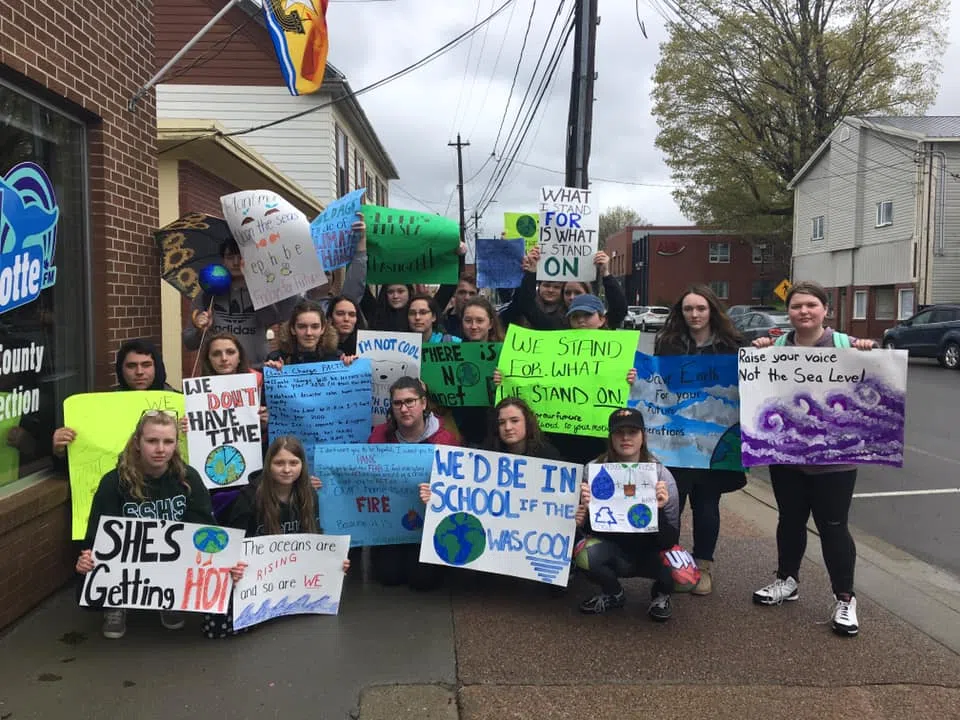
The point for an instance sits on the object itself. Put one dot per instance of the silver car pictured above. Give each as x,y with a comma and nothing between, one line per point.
654,317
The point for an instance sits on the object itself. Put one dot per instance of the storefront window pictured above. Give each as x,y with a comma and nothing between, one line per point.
43,301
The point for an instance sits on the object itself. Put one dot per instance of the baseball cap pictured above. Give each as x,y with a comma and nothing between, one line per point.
627,417
587,304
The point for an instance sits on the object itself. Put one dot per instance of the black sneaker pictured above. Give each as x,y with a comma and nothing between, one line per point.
599,604
660,608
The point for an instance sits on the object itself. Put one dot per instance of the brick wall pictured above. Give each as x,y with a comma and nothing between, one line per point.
85,58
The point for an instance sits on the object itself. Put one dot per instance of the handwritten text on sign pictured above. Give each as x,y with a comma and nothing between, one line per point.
501,513
406,246
332,231
161,565
573,379
371,491
223,428
392,355
289,575
499,263
623,497
822,406
460,375
569,234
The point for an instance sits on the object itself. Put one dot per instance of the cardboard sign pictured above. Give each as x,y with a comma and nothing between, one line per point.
623,497
499,263
162,565
460,374
569,234
392,356
522,225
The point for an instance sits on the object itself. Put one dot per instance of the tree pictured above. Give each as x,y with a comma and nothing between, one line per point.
747,90
617,218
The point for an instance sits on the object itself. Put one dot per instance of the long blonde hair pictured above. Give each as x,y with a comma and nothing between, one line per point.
303,498
130,465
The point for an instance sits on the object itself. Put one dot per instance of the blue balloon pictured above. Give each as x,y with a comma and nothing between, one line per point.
215,279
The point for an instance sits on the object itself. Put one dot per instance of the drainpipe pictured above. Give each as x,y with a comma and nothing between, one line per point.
939,247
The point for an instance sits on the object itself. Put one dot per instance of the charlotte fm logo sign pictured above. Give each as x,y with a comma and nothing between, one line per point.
28,235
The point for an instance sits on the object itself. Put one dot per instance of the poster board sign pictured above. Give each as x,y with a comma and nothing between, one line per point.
392,355
98,445
405,246
279,259
460,374
501,513
223,428
372,491
522,225
332,232
623,497
572,379
822,406
499,263
569,234
162,565
295,574
691,409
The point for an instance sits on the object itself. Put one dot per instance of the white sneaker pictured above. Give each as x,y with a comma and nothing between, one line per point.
845,616
777,592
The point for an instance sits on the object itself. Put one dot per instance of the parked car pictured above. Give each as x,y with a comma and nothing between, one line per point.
654,317
632,320
933,332
735,311
753,325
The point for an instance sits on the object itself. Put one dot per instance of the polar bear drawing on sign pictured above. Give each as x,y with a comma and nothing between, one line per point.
386,372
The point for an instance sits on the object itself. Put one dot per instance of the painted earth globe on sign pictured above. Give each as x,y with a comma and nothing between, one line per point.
412,520
211,540
468,374
224,465
526,226
459,539
639,516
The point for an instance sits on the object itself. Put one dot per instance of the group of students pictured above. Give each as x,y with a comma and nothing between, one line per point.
151,473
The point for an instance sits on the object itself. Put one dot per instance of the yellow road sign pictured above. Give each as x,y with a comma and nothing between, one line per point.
782,289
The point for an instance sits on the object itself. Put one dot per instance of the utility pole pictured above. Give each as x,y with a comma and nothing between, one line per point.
476,225
463,220
581,94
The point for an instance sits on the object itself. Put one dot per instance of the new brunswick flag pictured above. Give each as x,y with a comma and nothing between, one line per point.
299,32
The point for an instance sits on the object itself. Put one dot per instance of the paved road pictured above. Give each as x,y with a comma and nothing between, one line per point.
927,526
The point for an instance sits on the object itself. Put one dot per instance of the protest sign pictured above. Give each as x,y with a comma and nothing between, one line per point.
822,406
522,225
319,403
502,514
569,234
161,565
294,574
371,491
104,423
405,246
223,431
331,231
392,355
691,409
499,263
572,379
279,259
623,497
460,374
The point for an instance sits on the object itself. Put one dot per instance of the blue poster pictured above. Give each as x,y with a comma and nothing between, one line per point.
370,491
499,263
332,237
691,407
320,403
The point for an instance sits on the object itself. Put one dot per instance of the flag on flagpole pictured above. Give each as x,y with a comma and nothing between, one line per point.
299,32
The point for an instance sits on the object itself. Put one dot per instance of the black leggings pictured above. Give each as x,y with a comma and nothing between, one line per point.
828,497
604,562
400,565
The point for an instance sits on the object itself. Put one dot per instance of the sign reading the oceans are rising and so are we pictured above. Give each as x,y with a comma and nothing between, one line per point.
162,565
572,379
569,234
500,513
223,428
691,409
623,497
460,374
372,491
295,574
279,259
392,355
405,246
332,231
822,406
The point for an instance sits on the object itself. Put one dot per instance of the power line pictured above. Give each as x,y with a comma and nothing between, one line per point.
598,179
516,72
463,81
493,73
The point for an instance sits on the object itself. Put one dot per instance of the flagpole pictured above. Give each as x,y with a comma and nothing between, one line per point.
132,105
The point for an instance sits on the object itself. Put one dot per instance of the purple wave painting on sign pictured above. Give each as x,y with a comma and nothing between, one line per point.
860,424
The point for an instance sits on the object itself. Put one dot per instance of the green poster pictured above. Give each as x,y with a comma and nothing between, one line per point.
9,454
405,246
460,375
572,379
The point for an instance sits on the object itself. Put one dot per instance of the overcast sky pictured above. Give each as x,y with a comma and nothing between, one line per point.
467,89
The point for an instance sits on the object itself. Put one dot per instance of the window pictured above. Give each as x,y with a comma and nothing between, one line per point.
719,252
759,254
942,315
368,182
860,305
43,157
884,213
760,290
885,308
359,170
905,304
343,163
817,228
721,288
924,318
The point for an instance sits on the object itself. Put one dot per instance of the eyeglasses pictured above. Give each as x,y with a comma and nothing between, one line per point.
157,413
405,403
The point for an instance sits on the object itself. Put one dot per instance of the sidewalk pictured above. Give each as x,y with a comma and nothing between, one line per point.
495,648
